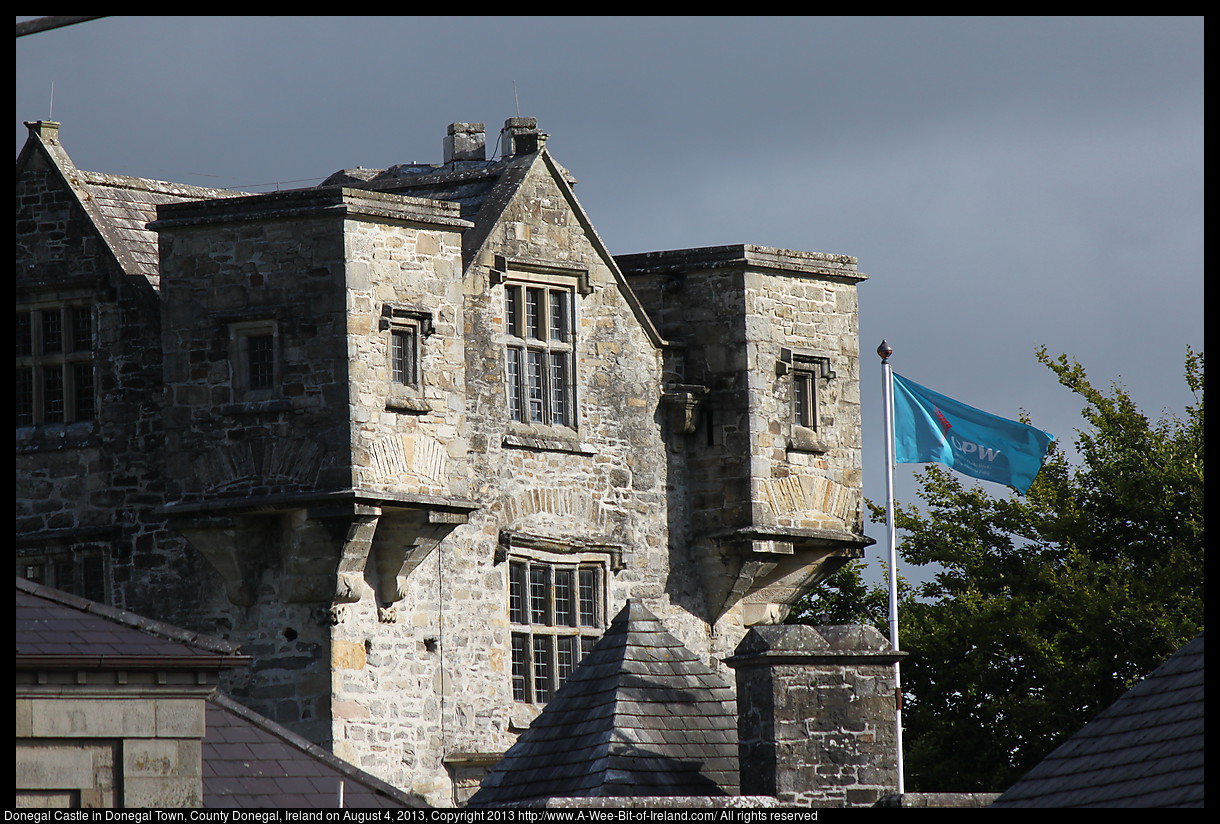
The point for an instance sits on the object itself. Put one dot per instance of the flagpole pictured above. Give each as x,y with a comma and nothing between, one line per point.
887,395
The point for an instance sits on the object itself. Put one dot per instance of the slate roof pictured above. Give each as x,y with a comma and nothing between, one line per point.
119,207
1145,750
122,207
640,716
481,188
51,623
250,761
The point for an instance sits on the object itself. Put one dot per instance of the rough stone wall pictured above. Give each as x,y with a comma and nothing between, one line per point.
222,441
405,447
222,438
734,323
329,424
387,679
94,485
808,479
742,319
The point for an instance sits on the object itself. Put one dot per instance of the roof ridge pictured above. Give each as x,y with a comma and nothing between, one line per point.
150,184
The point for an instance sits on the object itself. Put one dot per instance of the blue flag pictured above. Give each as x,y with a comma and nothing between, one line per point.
931,428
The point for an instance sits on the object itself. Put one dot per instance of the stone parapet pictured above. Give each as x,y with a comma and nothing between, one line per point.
301,202
742,254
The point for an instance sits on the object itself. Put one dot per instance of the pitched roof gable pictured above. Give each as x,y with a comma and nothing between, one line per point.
119,207
122,207
640,716
485,190
1144,750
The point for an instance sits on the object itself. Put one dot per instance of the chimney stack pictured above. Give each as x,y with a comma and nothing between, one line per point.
816,719
521,136
465,141
47,130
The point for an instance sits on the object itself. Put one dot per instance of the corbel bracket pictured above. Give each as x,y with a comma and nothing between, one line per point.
683,401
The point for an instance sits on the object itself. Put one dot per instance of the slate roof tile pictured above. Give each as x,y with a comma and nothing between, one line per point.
1145,750
668,726
273,767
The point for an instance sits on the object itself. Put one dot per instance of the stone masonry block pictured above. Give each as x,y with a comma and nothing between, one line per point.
93,718
162,792
53,767
23,718
180,718
161,758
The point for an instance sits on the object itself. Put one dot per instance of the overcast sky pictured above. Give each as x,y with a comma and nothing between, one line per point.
1006,182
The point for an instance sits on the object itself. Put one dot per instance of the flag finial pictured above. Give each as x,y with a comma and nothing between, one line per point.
885,350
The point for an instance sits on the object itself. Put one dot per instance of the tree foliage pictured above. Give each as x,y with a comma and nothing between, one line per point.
1045,609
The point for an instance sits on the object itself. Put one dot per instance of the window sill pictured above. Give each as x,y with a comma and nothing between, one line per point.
408,405
522,715
41,437
803,439
257,407
546,439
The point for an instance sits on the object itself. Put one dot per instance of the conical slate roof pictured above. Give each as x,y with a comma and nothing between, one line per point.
640,716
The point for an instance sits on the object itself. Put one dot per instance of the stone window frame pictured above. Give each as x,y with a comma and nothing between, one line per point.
255,379
541,344
807,374
56,363
805,395
80,569
552,625
406,378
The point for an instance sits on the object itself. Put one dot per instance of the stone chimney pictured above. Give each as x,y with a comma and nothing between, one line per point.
465,141
47,130
521,136
816,719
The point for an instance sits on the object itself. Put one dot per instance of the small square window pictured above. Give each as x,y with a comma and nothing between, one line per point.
805,374
255,355
404,344
405,329
260,361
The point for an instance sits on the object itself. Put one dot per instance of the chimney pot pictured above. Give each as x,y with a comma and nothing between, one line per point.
465,141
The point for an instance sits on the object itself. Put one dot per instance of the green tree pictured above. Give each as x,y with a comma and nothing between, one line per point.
1042,610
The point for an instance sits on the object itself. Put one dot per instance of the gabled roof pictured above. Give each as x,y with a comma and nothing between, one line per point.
119,207
1145,750
640,716
484,189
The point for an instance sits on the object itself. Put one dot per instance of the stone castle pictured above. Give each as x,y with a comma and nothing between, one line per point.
412,437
